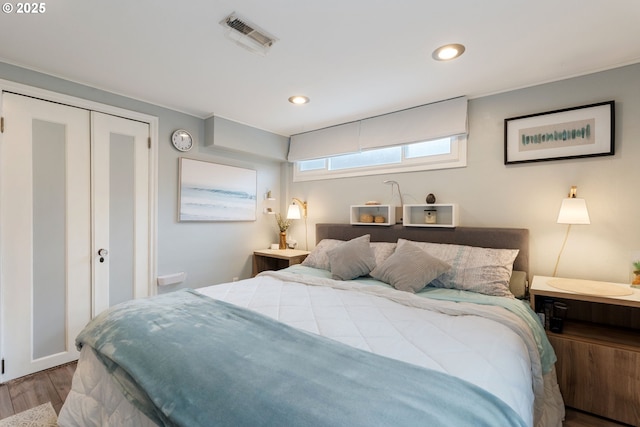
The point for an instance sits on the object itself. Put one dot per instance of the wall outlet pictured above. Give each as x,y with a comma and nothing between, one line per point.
172,279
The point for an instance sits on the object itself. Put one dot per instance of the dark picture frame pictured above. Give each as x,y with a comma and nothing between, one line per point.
585,131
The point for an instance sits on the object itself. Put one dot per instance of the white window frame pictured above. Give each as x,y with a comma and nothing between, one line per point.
457,158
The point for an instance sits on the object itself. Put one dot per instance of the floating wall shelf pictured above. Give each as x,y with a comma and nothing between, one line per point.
373,215
439,215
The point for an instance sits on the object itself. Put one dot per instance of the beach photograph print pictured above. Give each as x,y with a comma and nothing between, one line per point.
215,192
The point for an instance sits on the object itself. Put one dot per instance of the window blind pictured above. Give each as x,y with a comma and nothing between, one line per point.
423,123
332,141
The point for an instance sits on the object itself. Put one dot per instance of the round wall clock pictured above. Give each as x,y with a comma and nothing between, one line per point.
182,140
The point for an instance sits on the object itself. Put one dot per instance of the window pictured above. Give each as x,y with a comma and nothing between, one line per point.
436,154
370,158
312,165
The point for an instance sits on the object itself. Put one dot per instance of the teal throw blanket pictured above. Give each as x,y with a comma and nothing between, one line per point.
185,359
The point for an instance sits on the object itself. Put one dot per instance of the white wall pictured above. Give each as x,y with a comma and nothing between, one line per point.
527,195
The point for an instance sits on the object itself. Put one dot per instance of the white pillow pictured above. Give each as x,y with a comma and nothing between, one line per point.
382,251
483,270
318,256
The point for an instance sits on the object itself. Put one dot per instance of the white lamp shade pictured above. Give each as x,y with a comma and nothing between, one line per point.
293,212
573,211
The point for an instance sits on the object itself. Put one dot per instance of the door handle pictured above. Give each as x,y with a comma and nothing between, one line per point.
102,253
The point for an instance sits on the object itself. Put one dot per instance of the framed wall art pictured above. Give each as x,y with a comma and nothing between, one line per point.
215,192
585,131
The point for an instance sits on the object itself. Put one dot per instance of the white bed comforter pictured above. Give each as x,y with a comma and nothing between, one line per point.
485,345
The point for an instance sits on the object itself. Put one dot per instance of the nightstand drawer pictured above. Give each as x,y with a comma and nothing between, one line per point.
599,348
599,378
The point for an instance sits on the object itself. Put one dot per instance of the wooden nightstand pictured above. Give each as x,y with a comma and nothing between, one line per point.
598,350
276,259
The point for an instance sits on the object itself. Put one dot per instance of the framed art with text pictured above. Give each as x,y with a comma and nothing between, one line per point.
576,132
215,192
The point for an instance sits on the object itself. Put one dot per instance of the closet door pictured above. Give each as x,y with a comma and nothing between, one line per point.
74,226
45,233
120,213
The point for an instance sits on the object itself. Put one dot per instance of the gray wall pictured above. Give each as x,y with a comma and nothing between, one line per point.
528,195
488,192
208,252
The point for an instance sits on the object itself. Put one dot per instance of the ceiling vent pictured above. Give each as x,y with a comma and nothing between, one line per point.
247,34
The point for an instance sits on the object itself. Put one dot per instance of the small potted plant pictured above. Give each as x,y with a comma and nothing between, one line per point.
283,224
636,271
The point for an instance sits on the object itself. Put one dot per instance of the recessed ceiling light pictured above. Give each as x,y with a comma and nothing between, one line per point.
448,52
299,100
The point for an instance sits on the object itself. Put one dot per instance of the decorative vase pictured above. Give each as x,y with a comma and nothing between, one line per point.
430,216
636,280
283,240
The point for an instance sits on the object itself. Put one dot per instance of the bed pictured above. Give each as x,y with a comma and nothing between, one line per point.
378,326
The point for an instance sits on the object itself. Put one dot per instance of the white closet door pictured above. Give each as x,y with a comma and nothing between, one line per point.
120,181
72,183
45,226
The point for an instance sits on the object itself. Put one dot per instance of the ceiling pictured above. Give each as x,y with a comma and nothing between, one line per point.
354,59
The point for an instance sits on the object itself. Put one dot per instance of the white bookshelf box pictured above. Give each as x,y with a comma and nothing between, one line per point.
430,215
372,215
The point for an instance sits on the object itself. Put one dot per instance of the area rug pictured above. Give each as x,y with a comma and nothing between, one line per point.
40,416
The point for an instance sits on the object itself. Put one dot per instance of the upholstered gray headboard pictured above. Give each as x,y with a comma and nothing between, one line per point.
498,238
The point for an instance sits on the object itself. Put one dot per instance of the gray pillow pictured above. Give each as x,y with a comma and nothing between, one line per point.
318,257
351,259
409,268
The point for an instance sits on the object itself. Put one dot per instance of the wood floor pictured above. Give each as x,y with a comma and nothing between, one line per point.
24,393
54,384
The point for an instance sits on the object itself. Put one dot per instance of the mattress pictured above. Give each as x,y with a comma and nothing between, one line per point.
486,345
